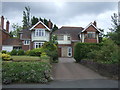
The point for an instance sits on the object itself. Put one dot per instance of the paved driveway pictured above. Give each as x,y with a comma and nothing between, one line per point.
67,69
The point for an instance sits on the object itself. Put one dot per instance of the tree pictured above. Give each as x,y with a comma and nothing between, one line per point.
26,18
16,29
115,30
34,20
54,28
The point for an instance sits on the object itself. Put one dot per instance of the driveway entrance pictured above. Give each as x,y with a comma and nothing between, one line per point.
67,69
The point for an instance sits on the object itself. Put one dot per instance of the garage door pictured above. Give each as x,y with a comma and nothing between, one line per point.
7,48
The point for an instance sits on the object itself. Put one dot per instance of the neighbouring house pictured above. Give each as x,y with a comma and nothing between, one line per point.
68,36
38,34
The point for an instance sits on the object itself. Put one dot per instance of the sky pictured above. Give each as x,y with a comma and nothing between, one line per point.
78,14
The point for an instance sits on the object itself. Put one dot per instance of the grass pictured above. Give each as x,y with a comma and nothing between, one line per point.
25,58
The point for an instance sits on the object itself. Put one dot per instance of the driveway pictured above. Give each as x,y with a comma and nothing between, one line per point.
67,69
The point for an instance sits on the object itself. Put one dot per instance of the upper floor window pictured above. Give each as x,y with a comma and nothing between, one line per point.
39,32
68,37
91,34
26,42
60,37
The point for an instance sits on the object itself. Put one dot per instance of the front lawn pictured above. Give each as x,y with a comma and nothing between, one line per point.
25,58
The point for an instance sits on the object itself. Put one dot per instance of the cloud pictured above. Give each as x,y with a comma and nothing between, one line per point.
62,13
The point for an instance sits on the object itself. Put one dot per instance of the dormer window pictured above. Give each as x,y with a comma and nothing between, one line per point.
68,37
39,32
91,35
60,37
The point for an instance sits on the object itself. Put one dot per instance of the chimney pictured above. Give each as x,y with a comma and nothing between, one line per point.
50,24
94,23
7,26
2,22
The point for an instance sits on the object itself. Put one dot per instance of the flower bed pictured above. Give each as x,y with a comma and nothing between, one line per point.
109,70
26,72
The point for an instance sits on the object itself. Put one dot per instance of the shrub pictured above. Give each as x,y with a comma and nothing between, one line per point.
26,72
51,51
81,50
14,52
21,52
35,52
4,51
107,54
6,57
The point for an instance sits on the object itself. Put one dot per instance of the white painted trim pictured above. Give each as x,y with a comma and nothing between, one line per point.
89,26
69,52
38,23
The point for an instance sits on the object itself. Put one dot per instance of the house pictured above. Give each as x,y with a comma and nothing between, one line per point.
33,37
38,34
68,36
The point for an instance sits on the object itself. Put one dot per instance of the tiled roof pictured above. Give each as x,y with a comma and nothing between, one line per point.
26,34
73,31
12,41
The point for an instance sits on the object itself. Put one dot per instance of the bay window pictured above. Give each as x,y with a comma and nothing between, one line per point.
38,44
39,32
91,35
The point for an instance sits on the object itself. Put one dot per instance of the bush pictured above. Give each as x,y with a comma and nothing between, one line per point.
4,51
34,52
107,54
82,49
6,57
51,51
26,72
14,52
21,52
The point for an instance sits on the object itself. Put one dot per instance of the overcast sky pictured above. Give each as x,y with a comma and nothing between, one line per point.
64,13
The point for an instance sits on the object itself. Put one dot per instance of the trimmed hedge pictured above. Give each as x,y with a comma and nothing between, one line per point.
82,49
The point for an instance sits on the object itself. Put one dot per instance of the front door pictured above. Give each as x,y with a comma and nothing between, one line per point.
69,52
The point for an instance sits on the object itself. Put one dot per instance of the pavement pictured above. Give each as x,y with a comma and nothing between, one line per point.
68,74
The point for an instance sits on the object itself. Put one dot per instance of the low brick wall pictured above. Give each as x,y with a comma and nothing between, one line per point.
109,70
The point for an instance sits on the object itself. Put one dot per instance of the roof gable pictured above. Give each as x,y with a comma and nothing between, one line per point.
91,24
39,25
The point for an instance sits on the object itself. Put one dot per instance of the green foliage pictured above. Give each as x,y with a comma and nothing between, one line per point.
16,30
107,54
14,52
54,28
115,30
51,50
6,57
4,51
34,20
26,18
82,49
26,72
20,52
34,52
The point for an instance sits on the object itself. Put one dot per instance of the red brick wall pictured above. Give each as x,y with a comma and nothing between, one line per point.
91,40
5,36
40,26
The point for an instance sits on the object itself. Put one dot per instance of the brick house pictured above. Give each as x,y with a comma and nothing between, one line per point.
68,36
38,34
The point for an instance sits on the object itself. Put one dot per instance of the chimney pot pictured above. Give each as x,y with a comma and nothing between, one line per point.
95,23
7,26
2,22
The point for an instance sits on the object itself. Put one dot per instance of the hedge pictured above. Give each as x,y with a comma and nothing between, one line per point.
82,49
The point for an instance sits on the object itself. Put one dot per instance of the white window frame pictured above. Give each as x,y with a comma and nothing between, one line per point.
40,32
69,50
93,33
38,44
26,42
68,37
